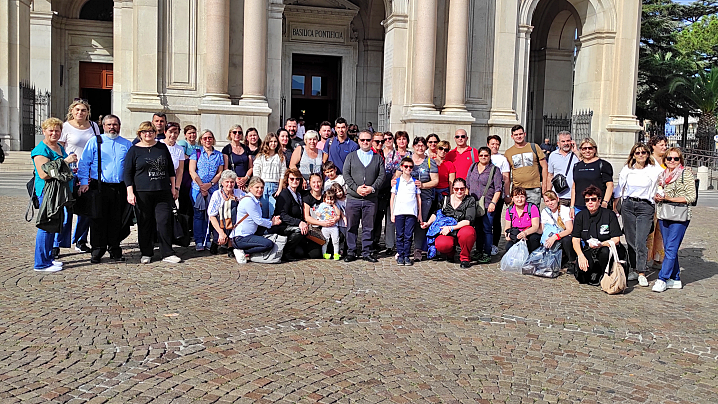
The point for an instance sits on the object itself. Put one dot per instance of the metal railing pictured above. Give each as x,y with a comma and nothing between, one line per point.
695,158
579,124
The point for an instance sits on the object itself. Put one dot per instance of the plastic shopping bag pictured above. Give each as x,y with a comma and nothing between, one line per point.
544,262
515,258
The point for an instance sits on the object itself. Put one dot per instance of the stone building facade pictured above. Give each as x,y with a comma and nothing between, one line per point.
417,65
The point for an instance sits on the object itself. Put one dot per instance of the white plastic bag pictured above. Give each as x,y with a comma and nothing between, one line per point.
273,256
515,258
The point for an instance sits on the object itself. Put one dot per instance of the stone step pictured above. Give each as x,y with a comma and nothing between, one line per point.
17,161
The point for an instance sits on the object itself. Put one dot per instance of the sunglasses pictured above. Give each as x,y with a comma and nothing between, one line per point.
587,148
432,142
640,153
294,179
386,139
407,166
378,141
460,137
484,155
459,189
673,158
365,140
591,199
443,149
236,132
149,131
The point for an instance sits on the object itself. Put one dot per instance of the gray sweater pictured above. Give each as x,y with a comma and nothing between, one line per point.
356,175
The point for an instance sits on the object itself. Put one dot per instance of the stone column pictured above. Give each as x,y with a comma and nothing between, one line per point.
14,67
254,72
456,59
216,62
424,58
274,61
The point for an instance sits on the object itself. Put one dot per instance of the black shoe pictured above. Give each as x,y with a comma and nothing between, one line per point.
465,264
439,257
390,252
83,248
369,258
94,260
571,268
223,250
55,252
213,249
350,258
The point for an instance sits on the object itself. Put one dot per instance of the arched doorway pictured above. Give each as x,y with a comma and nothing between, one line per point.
552,62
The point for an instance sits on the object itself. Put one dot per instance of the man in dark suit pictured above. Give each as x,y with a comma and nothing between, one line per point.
364,175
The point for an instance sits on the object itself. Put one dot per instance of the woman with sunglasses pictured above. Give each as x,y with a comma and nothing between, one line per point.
447,170
590,170
205,168
593,228
76,131
236,157
485,180
290,209
432,142
658,145
462,208
426,176
252,142
637,185
676,185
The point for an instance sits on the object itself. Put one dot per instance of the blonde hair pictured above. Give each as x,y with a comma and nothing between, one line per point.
311,134
254,181
674,150
75,103
229,133
146,126
445,144
551,196
204,132
592,143
50,123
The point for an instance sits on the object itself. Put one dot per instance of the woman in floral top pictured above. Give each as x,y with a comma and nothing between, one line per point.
205,168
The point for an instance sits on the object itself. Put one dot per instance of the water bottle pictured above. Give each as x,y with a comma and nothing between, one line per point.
73,166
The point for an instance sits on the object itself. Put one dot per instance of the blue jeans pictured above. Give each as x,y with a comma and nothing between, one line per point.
63,239
200,223
404,225
673,233
43,246
484,227
82,227
252,244
267,200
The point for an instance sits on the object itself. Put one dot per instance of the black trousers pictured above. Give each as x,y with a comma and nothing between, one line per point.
382,209
105,230
154,215
597,261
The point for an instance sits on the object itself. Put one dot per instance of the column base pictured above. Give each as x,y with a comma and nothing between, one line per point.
422,122
216,99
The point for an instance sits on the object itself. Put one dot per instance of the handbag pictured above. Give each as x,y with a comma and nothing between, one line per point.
559,181
181,236
676,212
89,203
614,277
34,202
314,234
480,204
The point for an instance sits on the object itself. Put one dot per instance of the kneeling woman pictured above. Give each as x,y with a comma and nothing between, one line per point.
556,226
248,219
522,221
593,228
222,207
462,208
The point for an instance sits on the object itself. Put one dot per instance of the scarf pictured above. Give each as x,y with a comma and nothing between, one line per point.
668,176
226,216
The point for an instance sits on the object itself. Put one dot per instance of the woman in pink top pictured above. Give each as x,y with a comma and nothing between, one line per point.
522,221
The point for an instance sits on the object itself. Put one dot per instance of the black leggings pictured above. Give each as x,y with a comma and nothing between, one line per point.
533,241
154,215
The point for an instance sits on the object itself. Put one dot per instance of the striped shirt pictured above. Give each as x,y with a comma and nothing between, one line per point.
270,169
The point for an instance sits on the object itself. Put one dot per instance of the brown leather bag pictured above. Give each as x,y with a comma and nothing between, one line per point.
614,278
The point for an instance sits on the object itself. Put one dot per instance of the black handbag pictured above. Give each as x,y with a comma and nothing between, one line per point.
181,235
34,200
90,203
559,181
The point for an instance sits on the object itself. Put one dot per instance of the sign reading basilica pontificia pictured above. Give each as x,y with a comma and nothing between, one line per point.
302,32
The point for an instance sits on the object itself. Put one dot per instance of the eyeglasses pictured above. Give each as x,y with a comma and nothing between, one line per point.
432,142
591,199
365,140
640,153
484,155
458,189
407,166
207,138
294,179
148,131
236,132
587,148
442,148
460,137
378,141
673,158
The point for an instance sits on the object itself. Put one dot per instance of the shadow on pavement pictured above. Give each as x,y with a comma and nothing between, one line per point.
694,267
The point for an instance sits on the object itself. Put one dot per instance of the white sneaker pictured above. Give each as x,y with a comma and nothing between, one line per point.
172,259
659,286
145,259
632,276
671,284
643,281
239,255
494,250
57,263
52,268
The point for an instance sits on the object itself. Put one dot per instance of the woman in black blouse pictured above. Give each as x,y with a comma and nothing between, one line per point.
252,142
591,170
462,208
150,179
236,157
290,208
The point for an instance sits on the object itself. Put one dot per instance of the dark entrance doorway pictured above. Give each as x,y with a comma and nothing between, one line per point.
96,87
315,88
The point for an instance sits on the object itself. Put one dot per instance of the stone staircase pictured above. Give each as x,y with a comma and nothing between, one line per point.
16,161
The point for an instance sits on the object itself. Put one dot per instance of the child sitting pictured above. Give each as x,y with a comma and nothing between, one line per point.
328,210
330,172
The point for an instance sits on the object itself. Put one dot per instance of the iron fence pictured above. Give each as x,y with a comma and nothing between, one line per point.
695,158
34,109
578,124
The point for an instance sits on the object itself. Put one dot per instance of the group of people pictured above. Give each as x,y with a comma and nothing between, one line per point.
319,189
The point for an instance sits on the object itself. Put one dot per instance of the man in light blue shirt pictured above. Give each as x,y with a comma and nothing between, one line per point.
106,230
561,162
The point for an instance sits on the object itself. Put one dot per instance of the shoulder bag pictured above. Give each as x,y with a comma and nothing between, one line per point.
673,211
613,281
480,209
89,203
559,182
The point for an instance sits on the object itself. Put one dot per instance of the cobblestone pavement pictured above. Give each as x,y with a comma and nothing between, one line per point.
208,330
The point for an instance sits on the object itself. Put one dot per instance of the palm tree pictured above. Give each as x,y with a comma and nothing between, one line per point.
702,90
